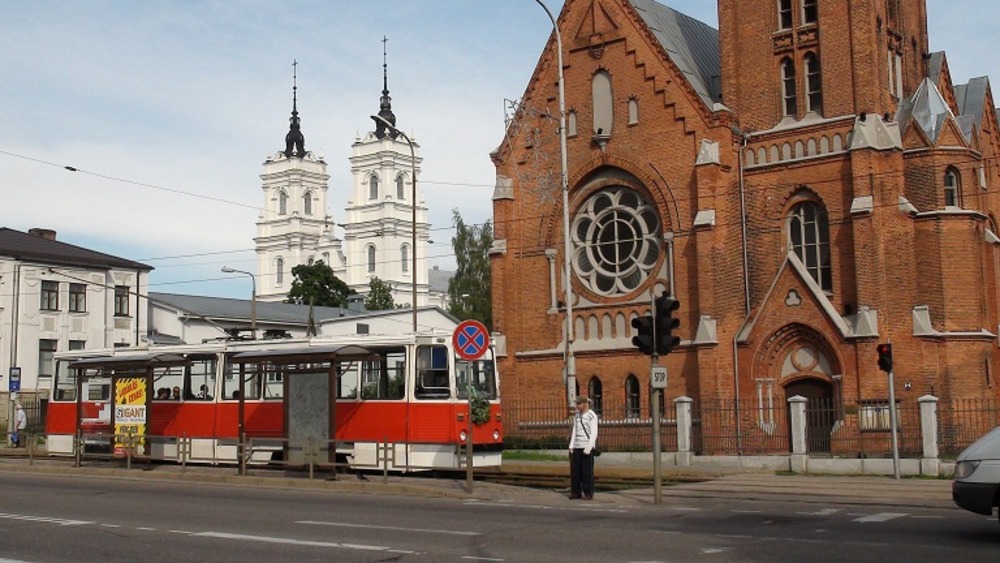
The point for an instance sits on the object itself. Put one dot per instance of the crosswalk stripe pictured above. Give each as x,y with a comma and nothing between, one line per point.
881,517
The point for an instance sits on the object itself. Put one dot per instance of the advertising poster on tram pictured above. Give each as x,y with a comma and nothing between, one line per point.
130,413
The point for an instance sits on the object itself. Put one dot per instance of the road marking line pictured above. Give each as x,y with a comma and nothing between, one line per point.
290,541
481,558
146,529
110,525
881,517
182,532
824,512
745,511
395,528
711,550
45,520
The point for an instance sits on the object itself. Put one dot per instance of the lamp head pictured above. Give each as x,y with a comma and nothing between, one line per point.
227,270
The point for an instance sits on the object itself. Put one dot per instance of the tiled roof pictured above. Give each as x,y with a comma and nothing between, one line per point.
227,308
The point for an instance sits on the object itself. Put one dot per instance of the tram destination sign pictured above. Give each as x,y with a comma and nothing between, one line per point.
471,340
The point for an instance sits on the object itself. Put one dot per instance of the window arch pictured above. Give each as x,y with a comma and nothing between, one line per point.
371,259
307,203
279,271
603,103
809,239
373,187
784,14
810,13
282,202
595,390
401,187
632,396
952,188
790,106
404,254
814,84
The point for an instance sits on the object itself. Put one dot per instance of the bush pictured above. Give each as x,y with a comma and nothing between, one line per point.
535,443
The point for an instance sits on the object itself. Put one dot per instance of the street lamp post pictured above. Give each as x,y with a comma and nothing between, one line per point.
567,247
253,298
413,205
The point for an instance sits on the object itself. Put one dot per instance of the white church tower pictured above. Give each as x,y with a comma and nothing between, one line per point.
379,226
293,227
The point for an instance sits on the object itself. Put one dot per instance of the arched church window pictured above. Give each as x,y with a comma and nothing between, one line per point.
373,187
571,123
401,187
790,106
814,84
616,235
952,191
633,111
307,203
809,239
404,253
631,396
595,390
371,259
603,103
279,271
282,202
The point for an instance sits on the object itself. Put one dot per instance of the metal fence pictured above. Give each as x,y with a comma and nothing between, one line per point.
961,422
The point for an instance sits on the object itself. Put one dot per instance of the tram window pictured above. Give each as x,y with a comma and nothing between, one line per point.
274,386
251,385
484,381
200,384
99,389
64,388
383,378
347,383
167,379
432,373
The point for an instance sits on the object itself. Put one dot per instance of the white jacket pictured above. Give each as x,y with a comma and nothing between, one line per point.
584,424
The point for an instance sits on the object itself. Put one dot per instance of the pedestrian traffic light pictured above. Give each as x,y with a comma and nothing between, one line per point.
643,340
884,357
664,308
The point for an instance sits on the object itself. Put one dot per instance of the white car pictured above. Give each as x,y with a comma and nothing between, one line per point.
977,475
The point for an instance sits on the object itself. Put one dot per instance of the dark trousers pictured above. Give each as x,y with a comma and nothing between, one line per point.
581,473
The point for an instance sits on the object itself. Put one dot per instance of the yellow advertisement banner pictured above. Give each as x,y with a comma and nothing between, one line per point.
130,414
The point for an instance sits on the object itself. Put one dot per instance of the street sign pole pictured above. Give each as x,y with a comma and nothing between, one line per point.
892,427
471,340
654,370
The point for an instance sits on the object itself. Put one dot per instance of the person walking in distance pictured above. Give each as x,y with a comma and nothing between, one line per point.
20,423
582,441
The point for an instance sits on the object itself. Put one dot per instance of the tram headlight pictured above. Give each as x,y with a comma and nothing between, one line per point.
496,435
462,435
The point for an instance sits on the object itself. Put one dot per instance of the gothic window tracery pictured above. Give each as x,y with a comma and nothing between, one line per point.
809,239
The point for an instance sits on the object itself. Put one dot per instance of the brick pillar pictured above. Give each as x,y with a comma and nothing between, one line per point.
930,464
799,461
683,406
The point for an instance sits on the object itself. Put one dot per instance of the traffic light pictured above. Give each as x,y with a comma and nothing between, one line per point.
884,357
664,308
644,339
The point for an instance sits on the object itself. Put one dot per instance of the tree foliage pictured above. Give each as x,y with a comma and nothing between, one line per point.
379,296
316,284
469,291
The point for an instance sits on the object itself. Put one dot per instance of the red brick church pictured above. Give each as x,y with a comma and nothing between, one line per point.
807,181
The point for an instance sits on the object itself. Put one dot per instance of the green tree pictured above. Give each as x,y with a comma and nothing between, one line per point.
316,284
379,296
469,291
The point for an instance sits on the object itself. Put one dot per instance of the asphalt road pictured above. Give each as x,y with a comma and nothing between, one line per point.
55,518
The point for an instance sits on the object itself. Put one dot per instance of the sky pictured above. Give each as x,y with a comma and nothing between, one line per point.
167,110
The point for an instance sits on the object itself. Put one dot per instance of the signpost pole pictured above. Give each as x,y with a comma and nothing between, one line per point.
471,341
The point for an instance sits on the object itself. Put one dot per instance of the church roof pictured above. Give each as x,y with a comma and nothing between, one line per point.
35,248
691,44
438,279
927,107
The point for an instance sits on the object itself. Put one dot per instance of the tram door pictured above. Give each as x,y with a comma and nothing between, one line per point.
308,416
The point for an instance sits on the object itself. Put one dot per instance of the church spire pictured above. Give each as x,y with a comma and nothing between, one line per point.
385,103
294,138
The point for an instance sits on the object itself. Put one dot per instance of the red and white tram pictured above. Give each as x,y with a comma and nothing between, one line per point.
362,399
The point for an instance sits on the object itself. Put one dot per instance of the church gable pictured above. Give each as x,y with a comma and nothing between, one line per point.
595,26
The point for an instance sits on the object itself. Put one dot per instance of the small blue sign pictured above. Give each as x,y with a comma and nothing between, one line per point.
14,383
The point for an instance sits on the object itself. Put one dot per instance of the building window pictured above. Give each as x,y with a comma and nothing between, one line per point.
46,348
790,107
77,344
633,111
952,193
571,124
784,14
371,259
400,187
595,390
121,300
78,298
632,397
892,14
373,187
404,252
603,104
809,239
282,202
814,84
50,296
279,271
809,11
307,203
617,241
